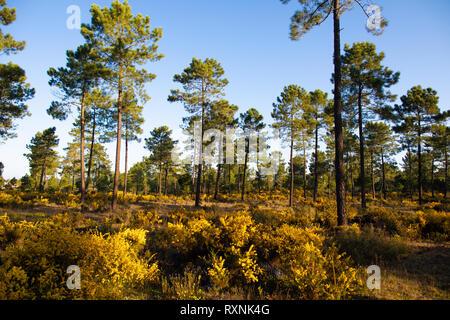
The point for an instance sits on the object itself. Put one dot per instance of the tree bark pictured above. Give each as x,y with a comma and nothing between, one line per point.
160,179
82,128
410,174
362,179
125,180
304,168
91,152
432,176
419,154
316,161
41,180
165,180
339,139
216,190
372,175
383,176
118,144
291,193
446,168
245,169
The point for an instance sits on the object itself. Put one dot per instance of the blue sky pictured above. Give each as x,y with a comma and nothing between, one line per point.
248,37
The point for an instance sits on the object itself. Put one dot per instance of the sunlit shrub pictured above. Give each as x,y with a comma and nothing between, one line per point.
110,264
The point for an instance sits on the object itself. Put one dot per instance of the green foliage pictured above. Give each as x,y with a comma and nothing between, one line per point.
7,43
14,92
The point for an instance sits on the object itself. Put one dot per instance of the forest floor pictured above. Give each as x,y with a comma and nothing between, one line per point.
422,273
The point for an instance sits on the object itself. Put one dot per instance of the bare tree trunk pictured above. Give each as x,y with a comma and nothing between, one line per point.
339,139
41,180
216,191
291,193
239,177
245,169
352,181
419,154
118,144
304,169
91,151
432,176
229,179
372,175
362,179
316,161
160,179
125,180
446,168
383,176
165,180
410,174
82,128
200,165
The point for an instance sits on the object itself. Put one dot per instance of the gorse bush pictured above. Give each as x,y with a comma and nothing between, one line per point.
111,265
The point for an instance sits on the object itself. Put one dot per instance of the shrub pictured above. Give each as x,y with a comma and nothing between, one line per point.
110,265
370,245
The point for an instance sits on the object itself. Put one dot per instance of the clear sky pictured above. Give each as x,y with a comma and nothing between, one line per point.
248,37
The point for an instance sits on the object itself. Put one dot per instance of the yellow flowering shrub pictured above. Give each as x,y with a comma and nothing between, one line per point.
218,273
110,265
249,266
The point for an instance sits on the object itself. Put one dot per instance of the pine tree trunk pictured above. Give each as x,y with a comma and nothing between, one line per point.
339,139
446,169
245,170
41,180
383,176
82,128
216,190
352,180
362,179
91,152
125,180
410,174
316,161
118,144
160,179
432,177
372,176
165,180
238,184
291,193
419,154
304,169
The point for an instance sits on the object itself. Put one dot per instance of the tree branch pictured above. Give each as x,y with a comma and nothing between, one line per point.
362,8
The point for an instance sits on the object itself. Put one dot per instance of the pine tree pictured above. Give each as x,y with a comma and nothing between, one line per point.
75,81
42,154
319,101
203,84
364,83
288,113
14,91
414,116
124,42
251,122
314,13
160,145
